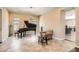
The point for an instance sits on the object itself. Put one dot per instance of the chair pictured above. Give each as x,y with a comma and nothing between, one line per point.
42,38
49,34
45,36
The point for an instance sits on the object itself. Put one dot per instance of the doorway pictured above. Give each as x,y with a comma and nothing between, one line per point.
69,18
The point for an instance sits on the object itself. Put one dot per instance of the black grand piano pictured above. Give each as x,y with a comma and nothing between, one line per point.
29,27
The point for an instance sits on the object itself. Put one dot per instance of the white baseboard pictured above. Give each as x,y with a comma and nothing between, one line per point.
58,38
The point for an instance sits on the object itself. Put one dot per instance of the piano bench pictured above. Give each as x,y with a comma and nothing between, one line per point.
42,40
16,34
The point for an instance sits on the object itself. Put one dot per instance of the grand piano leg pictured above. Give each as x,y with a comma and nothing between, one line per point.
24,33
35,32
21,34
46,40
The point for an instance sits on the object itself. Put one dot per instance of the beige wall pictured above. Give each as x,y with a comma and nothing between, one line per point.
0,25
22,17
0,22
5,24
77,26
53,21
0,19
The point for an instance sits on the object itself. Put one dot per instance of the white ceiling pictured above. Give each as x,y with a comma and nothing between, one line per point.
28,10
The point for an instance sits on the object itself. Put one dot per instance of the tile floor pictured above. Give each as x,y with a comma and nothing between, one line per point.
30,44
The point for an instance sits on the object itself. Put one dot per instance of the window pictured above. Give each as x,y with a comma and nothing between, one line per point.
34,21
70,14
70,17
16,23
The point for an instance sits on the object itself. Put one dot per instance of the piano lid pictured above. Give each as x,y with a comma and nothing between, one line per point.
29,24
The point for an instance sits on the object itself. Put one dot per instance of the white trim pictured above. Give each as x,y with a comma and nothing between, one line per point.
58,38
